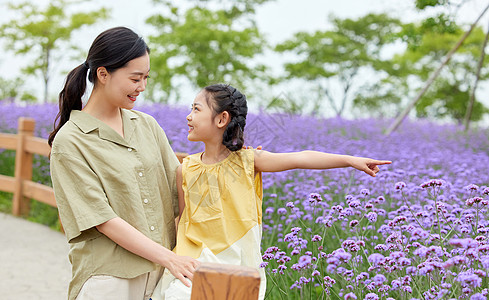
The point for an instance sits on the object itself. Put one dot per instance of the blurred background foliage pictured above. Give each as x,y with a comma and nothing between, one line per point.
350,66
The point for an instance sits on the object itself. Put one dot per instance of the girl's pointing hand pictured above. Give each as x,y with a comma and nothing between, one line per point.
368,165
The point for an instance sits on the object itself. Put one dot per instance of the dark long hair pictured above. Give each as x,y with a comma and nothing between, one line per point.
228,98
111,49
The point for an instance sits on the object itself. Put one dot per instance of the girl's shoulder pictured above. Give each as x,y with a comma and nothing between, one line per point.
192,159
240,157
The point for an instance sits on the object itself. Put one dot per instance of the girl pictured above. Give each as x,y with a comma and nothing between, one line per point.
113,174
220,189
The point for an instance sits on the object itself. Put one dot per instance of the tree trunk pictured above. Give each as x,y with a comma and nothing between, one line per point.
46,76
468,113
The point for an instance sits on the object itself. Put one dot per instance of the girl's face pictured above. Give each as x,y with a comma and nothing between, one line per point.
201,123
123,85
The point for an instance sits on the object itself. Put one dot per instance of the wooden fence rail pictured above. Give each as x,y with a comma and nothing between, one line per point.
21,185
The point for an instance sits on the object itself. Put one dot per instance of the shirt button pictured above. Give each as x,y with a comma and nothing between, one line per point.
152,228
145,201
129,149
140,174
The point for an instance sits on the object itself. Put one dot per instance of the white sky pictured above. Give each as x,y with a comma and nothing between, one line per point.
278,19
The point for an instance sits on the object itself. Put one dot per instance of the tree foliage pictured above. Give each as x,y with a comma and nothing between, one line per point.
426,44
12,89
39,31
204,45
340,54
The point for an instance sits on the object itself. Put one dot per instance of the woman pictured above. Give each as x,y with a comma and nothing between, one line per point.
113,175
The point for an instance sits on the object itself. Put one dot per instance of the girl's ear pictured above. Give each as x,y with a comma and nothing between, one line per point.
223,119
102,74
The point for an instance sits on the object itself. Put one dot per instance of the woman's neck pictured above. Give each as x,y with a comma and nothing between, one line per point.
101,109
214,153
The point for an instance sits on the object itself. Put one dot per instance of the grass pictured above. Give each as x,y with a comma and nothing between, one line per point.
6,202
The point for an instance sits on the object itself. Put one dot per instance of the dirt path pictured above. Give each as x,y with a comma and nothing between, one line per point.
33,261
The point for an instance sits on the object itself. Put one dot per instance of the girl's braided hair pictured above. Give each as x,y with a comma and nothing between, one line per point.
228,98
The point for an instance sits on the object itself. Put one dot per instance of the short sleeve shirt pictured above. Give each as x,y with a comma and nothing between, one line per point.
98,175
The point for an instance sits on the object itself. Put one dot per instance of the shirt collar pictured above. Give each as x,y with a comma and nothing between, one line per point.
88,123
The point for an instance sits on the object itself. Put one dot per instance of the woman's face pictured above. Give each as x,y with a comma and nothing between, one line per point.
124,85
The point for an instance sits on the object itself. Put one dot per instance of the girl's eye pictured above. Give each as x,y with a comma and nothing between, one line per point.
136,80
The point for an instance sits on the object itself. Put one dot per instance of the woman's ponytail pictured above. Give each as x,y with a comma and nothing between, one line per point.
70,98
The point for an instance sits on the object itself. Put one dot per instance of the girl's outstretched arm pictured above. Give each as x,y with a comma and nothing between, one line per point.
275,162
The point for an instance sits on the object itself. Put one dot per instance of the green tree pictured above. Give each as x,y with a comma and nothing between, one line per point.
39,31
426,45
339,55
203,45
13,89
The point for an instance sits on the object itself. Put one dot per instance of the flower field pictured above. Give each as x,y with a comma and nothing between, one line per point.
419,230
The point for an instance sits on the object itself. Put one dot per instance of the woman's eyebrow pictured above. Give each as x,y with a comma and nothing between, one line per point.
139,72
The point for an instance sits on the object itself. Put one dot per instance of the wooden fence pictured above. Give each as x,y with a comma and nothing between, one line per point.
211,281
21,185
225,282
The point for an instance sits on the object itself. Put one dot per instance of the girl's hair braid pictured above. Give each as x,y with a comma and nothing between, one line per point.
228,98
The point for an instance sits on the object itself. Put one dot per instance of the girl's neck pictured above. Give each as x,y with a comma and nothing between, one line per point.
214,153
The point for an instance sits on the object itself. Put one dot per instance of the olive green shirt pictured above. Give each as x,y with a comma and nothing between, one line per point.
98,175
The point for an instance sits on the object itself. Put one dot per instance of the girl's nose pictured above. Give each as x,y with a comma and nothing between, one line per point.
188,117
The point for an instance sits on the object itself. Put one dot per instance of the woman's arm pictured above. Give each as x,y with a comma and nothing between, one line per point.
275,162
131,239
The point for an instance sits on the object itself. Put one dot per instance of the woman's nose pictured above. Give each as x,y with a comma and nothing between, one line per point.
189,117
142,86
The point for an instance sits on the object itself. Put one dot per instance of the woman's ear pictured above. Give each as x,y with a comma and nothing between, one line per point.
102,74
223,119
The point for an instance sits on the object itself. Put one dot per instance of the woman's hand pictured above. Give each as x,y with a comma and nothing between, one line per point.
182,267
128,237
251,147
367,165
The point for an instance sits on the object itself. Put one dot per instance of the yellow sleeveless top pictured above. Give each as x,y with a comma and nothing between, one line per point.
221,222
223,201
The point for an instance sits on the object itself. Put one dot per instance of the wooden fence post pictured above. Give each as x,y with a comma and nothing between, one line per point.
225,282
23,167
